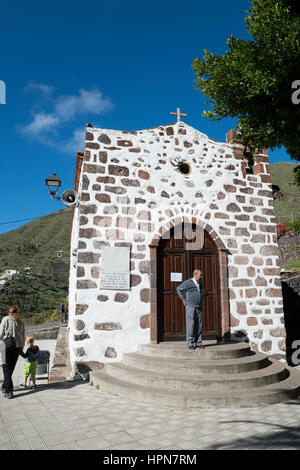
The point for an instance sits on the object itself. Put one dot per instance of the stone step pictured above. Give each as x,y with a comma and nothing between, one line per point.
179,350
275,372
61,368
197,365
269,394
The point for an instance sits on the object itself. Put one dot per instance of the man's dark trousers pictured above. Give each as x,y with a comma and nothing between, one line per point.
193,316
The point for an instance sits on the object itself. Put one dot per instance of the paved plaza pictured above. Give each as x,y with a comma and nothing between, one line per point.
76,415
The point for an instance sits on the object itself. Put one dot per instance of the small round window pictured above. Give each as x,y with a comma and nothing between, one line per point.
184,168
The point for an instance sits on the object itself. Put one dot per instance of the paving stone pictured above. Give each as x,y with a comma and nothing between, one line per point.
128,446
119,437
91,444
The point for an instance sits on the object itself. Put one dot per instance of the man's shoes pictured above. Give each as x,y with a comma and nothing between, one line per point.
221,341
191,347
200,346
3,390
22,386
8,395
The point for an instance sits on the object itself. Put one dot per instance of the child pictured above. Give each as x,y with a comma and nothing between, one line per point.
30,365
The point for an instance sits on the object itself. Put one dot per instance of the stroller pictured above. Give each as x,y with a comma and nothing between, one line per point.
43,363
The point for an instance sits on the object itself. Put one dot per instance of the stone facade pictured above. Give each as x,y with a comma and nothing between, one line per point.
133,187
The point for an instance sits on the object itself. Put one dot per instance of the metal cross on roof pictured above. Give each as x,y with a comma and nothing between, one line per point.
178,114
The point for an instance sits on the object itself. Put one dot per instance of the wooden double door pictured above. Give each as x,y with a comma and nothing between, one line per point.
175,261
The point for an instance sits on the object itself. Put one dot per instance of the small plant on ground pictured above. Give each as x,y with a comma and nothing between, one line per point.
282,229
294,265
294,226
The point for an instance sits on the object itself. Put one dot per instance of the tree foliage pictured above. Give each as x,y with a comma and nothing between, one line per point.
253,80
296,176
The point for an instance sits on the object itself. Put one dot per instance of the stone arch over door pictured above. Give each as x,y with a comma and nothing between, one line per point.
222,252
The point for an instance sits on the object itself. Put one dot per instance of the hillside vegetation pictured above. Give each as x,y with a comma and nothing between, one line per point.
287,209
34,245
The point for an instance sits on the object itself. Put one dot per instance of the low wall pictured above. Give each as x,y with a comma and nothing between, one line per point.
289,249
46,331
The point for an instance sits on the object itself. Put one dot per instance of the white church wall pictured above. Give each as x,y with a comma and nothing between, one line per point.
129,188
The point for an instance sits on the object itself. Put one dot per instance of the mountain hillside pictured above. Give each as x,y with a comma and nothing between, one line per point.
35,243
32,250
287,209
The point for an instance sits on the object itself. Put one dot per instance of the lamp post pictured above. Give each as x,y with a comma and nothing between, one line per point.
53,183
68,197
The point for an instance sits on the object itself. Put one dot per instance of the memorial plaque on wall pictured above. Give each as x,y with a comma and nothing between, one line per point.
176,277
115,268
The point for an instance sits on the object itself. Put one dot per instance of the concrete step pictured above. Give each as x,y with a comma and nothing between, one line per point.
197,365
179,350
61,368
275,372
228,375
269,394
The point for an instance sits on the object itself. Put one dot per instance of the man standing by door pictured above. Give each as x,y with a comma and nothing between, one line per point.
190,292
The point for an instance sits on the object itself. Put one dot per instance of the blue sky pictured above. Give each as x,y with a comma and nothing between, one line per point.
119,64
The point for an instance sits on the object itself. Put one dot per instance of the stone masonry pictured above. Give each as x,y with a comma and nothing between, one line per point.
131,190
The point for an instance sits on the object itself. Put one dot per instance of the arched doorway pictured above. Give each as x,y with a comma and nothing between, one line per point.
175,263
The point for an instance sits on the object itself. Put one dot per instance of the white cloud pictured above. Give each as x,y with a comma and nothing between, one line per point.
41,87
86,101
41,122
46,127
75,143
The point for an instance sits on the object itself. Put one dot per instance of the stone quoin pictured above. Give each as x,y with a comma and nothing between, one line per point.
135,189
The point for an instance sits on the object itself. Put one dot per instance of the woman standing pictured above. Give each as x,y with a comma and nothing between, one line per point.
12,331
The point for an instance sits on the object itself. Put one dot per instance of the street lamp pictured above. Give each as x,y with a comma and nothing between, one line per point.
68,197
53,183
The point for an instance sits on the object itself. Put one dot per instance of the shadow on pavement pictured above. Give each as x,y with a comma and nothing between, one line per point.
19,392
280,437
